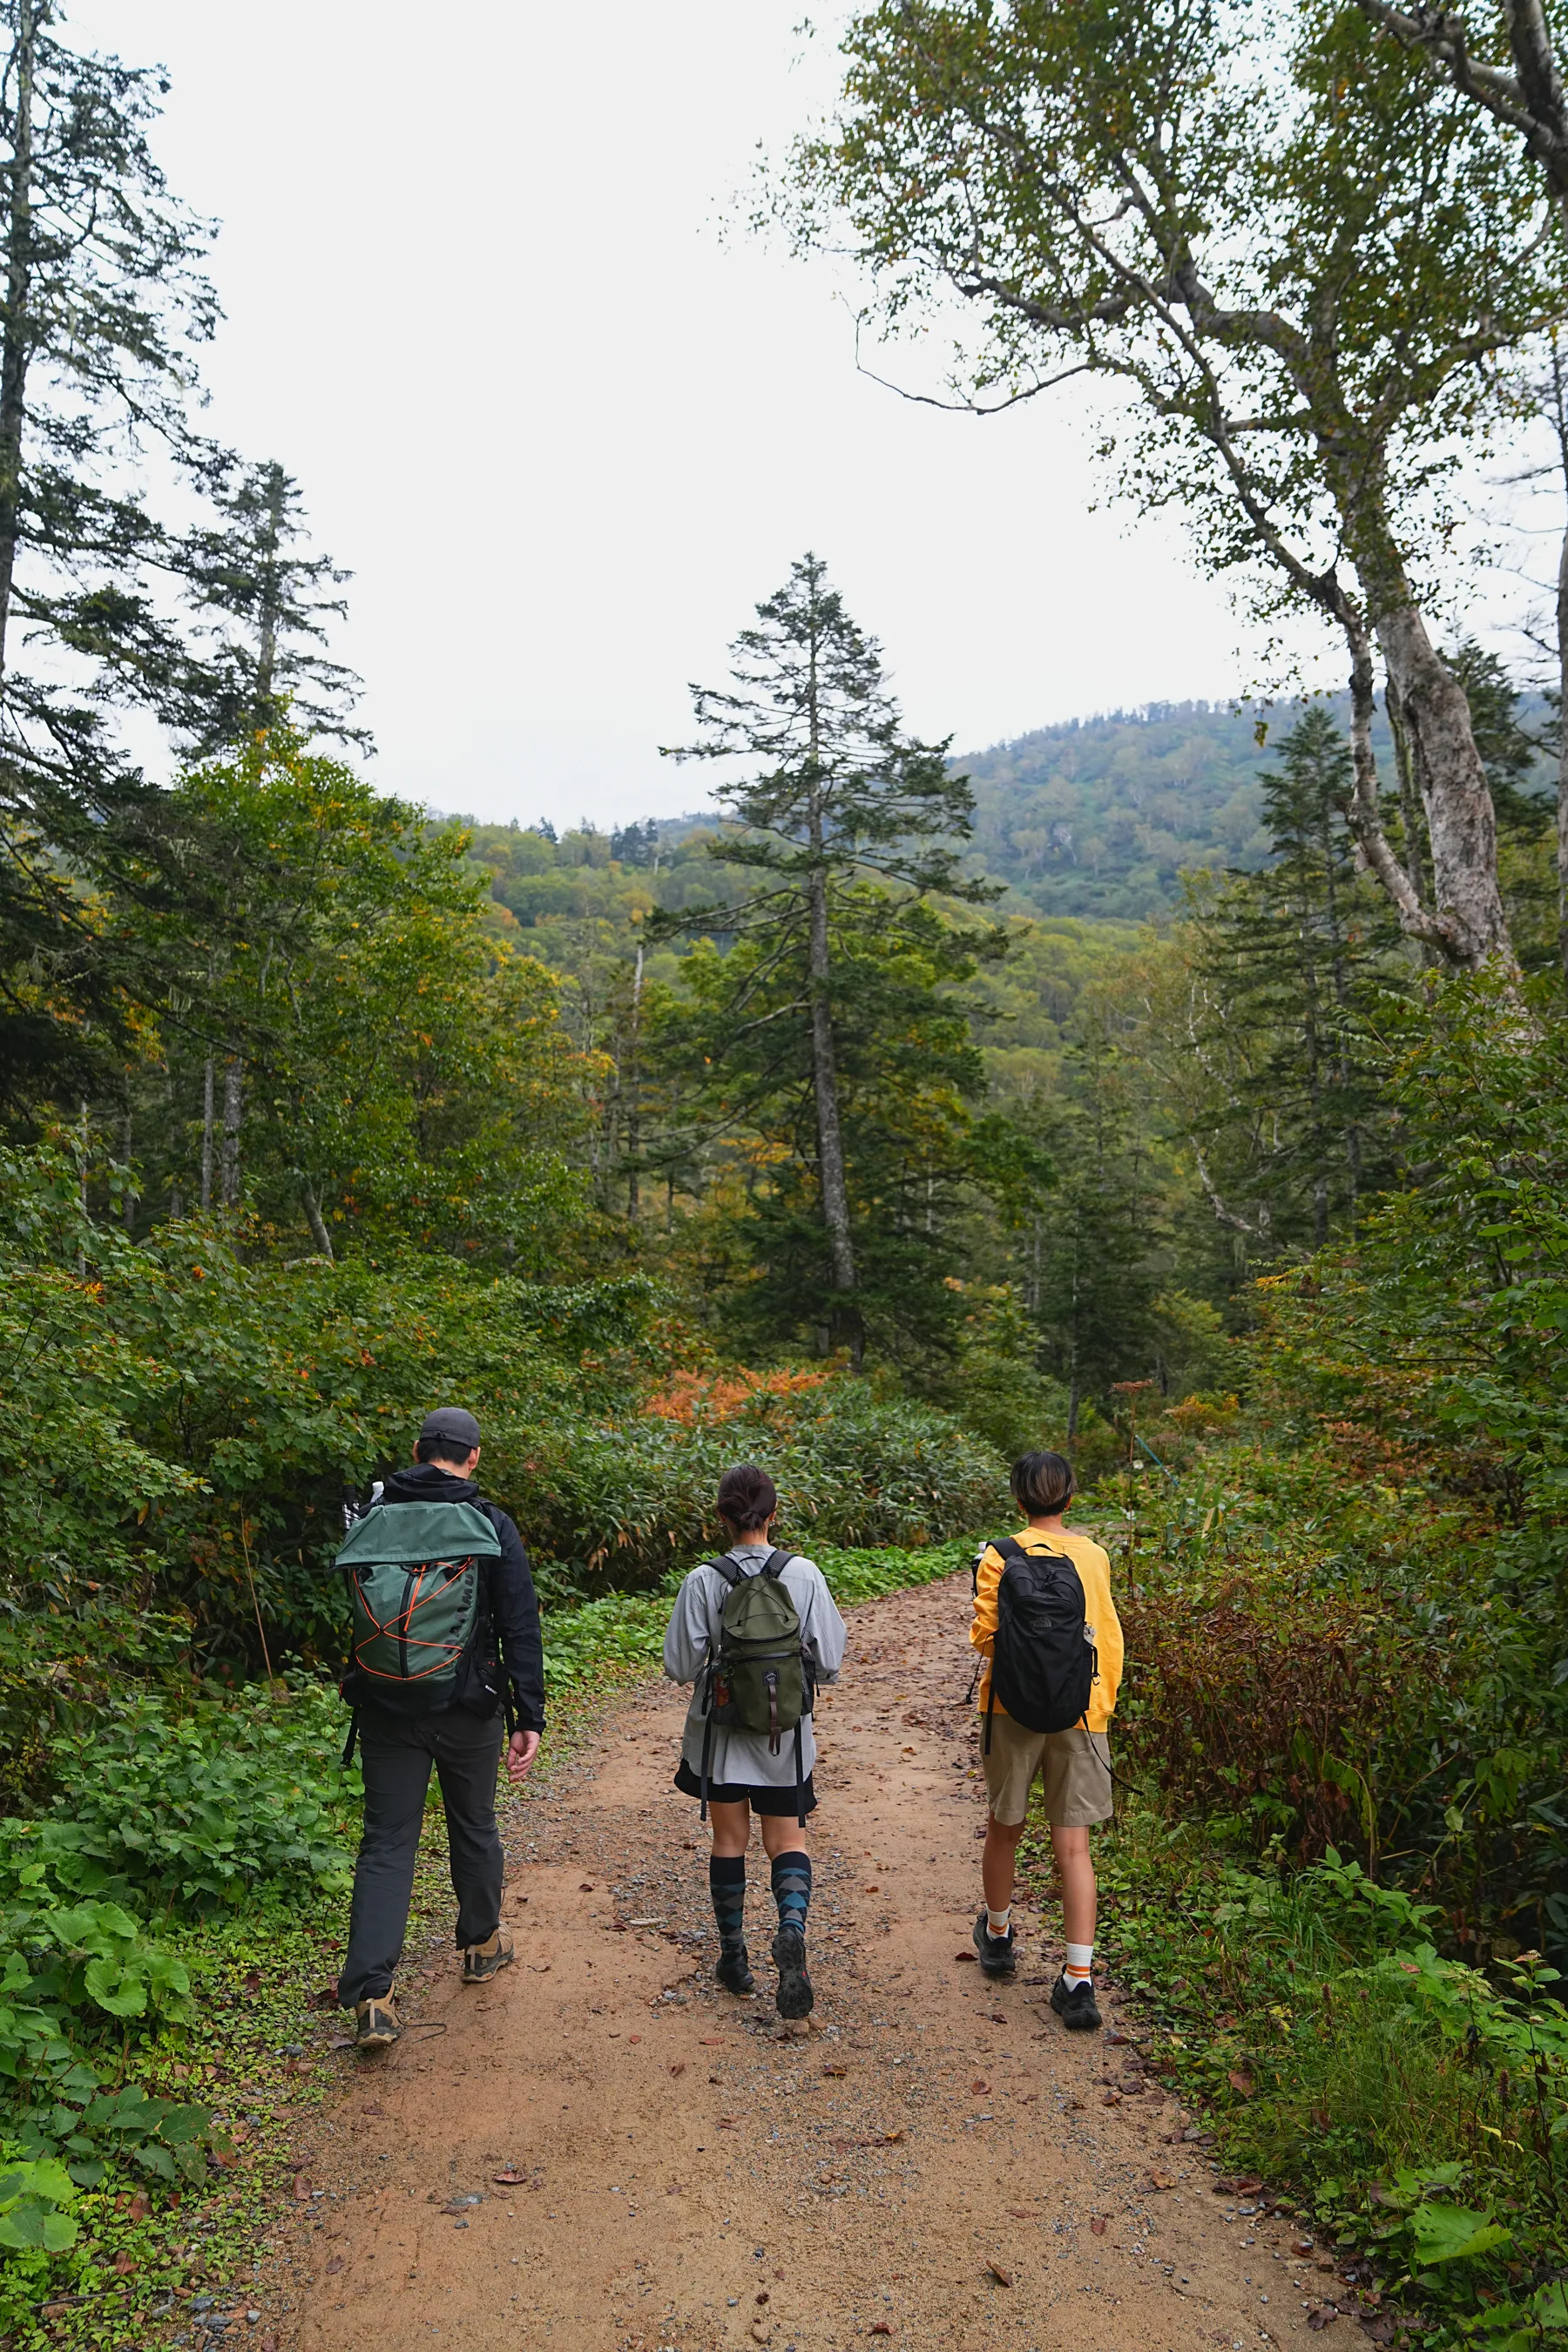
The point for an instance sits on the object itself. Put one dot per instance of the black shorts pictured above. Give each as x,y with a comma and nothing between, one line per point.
778,1802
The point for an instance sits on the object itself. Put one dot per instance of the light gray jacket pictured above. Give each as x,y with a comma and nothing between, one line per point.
693,1633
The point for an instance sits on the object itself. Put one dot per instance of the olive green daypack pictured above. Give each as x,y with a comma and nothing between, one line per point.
413,1573
759,1678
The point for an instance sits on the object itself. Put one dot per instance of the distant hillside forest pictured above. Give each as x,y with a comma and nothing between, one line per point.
1096,817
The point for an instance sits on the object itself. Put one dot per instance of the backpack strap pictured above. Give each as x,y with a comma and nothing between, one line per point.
1006,1548
729,1568
776,1562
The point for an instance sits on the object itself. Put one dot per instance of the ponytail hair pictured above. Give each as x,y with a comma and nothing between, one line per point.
747,1497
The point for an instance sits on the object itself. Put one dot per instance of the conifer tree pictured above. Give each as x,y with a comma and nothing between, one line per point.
835,792
252,569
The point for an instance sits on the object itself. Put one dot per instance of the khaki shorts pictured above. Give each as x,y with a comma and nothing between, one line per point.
1073,1768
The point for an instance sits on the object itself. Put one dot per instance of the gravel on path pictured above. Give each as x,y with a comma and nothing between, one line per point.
601,2150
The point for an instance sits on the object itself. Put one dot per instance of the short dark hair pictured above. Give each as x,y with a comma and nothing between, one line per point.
747,1496
443,1449
1042,1484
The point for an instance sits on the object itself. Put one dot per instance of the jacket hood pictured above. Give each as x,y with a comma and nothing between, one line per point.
426,1482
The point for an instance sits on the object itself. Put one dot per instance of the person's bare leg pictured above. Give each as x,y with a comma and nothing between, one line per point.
998,1861
732,1827
781,1836
1075,1868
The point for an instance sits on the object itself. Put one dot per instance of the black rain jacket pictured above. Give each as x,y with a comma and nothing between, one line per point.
507,1639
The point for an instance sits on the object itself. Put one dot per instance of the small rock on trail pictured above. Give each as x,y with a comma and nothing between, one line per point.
601,2151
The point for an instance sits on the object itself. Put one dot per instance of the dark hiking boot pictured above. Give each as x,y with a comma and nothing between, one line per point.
735,1968
1076,2004
482,1962
375,2023
795,1997
998,1955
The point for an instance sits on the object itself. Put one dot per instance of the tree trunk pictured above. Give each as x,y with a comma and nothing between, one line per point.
823,1070
314,1218
207,1135
232,1108
825,1089
633,1124
13,345
1562,756
1460,823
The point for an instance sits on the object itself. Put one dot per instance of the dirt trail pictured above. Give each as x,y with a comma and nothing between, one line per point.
693,2175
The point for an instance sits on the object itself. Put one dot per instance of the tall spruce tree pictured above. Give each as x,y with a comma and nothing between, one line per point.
837,793
252,569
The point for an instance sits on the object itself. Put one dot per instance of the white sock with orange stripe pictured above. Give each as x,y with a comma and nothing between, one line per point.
1080,1965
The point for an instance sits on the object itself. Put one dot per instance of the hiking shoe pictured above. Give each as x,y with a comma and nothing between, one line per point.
1076,2004
734,1970
998,1956
375,2022
795,1997
482,1962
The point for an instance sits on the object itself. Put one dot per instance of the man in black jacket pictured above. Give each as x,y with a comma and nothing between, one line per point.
500,1681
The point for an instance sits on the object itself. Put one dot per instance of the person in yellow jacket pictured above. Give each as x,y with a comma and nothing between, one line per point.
1073,1767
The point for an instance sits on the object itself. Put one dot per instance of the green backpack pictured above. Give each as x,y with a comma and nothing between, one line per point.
759,1678
413,1573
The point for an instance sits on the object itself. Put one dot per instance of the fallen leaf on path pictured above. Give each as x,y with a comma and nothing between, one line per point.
679,2067
1074,2105
1096,2225
251,1981
1110,2098
997,2016
124,2262
880,2327
1116,2038
1160,2180
1002,2277
1241,2082
334,2266
375,2108
888,2139
1019,2214
713,2041
974,1957
303,2186
1318,2320
511,2178
139,2207
978,2087
587,1887
634,2037
836,2070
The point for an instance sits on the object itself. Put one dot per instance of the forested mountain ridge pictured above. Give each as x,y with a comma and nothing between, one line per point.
1088,817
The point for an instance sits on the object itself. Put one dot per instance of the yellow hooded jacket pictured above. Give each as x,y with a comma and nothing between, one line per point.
1093,1565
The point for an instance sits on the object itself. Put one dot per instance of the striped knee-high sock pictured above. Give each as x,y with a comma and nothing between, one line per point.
792,1888
727,1886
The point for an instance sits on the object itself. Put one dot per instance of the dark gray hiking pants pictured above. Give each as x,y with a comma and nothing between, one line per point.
396,1752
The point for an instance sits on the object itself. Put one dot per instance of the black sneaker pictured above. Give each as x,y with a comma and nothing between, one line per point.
795,1997
735,1968
1076,2004
997,1955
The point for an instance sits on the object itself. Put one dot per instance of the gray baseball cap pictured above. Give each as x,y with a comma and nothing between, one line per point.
450,1422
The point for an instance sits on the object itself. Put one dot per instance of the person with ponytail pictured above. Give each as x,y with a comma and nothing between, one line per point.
733,1761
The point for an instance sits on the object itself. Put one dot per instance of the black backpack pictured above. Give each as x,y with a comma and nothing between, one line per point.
1044,1662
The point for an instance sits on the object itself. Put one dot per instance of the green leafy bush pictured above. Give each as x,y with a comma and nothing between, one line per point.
196,1807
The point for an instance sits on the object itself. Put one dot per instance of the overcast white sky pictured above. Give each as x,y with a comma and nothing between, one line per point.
566,435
